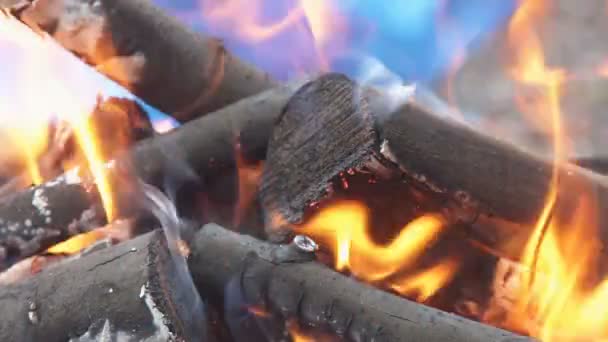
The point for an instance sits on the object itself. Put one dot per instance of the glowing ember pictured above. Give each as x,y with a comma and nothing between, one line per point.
343,228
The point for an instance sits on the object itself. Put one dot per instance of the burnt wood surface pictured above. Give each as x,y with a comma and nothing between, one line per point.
202,152
325,129
171,67
472,173
287,285
127,292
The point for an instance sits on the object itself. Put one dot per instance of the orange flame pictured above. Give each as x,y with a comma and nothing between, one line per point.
76,243
555,299
343,229
43,73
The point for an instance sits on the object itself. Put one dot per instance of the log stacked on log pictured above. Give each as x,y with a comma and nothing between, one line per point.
330,125
176,70
62,301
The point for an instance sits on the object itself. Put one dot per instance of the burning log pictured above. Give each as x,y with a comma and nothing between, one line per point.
118,122
131,290
331,126
290,286
205,149
171,67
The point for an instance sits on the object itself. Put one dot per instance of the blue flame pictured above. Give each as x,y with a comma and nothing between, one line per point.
408,36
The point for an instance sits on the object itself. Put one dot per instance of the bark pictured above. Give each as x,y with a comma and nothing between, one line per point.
203,152
178,71
331,125
288,286
131,291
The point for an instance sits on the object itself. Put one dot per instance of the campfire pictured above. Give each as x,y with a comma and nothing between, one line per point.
157,187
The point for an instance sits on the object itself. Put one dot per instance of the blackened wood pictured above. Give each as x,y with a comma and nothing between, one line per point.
472,173
325,129
173,68
317,296
132,289
204,149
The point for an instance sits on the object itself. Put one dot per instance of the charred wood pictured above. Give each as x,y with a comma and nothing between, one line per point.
202,152
288,286
178,71
129,291
332,125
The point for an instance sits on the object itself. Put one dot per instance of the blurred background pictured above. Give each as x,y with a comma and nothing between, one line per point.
460,49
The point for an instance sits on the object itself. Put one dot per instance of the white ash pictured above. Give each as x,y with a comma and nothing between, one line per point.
40,202
80,25
108,333
386,152
162,331
12,227
32,314
71,176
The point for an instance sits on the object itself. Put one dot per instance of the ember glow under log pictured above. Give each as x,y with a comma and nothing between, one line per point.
288,287
126,292
332,125
178,71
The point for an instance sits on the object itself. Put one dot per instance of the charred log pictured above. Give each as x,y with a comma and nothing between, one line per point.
178,71
331,125
289,286
127,291
202,152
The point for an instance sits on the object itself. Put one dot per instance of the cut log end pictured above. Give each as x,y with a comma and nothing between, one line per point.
143,297
325,129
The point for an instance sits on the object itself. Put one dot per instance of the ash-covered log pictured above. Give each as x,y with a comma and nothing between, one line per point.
179,71
285,284
203,151
127,292
332,125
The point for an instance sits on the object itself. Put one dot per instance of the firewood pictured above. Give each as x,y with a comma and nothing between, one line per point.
330,126
291,286
130,290
204,149
174,69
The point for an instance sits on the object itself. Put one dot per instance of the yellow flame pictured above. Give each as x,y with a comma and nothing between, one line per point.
557,298
77,243
424,284
87,141
43,93
342,227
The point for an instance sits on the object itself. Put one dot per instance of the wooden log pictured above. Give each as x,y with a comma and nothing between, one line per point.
127,292
330,126
203,151
293,287
174,69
